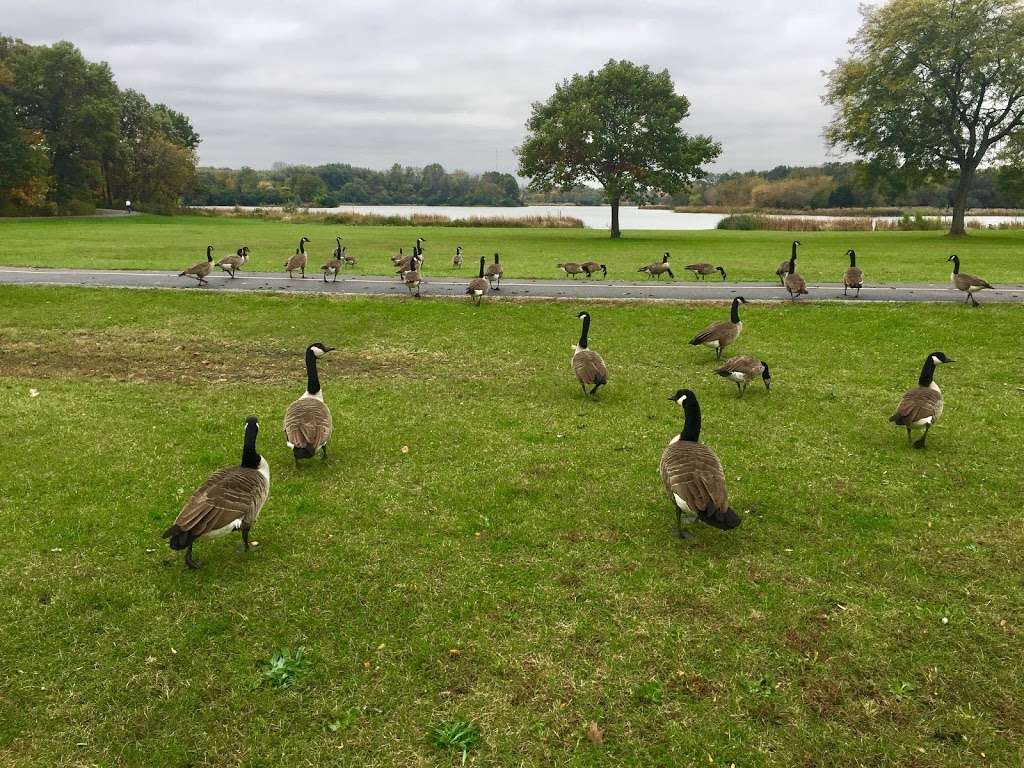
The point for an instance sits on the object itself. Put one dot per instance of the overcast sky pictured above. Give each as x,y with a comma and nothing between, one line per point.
379,81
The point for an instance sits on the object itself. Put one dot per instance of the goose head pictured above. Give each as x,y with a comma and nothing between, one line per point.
940,357
722,270
209,253
318,348
682,395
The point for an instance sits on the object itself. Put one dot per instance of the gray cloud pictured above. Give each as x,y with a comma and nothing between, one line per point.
372,83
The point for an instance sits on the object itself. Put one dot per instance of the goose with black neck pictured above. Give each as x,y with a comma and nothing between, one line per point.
229,500
692,474
921,406
722,333
589,367
307,422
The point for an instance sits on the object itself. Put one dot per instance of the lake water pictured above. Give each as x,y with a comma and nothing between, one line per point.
593,216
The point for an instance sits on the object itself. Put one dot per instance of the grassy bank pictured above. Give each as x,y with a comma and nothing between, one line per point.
172,243
517,567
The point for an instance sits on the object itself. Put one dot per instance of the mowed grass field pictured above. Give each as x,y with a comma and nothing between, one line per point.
517,567
174,243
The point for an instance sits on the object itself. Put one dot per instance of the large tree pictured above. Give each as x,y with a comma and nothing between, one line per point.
930,88
618,127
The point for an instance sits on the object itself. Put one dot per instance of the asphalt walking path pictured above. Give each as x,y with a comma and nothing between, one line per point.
567,288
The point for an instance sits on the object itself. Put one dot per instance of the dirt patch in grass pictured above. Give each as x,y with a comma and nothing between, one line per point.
127,355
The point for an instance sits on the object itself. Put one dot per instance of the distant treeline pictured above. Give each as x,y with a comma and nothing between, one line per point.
70,139
845,185
338,183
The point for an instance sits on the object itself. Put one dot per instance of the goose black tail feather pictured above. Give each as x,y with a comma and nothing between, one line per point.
179,539
724,520
303,452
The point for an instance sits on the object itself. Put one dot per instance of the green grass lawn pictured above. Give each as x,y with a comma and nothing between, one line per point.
173,243
515,575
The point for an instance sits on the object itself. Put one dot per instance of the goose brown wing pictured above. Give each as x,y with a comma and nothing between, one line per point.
916,404
702,267
307,423
693,472
296,261
853,277
333,264
965,281
783,268
479,284
201,268
494,269
796,283
589,367
227,495
229,261
745,364
720,331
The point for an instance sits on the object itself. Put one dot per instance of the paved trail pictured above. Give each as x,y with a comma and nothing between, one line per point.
677,290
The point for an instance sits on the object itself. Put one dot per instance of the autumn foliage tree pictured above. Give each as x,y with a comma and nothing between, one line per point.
618,127
87,141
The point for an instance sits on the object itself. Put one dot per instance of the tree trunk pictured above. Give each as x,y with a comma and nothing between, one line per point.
963,188
616,232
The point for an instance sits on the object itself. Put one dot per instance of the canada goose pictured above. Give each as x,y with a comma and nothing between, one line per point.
200,269
743,369
457,258
307,422
922,405
229,500
232,264
479,286
398,258
722,333
494,273
418,249
332,267
704,269
795,284
590,267
783,268
571,268
967,283
693,475
853,277
412,277
298,261
341,256
658,268
588,366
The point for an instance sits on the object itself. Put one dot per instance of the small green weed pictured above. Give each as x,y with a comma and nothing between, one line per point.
286,667
457,734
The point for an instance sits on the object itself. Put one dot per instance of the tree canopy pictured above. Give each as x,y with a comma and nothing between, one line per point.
930,89
618,127
74,139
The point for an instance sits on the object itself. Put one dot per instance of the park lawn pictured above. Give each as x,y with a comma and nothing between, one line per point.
517,567
174,243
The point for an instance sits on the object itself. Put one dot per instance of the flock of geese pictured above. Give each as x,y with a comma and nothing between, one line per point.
232,497
410,270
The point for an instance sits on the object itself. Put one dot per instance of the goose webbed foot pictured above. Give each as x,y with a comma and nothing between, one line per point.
192,564
323,452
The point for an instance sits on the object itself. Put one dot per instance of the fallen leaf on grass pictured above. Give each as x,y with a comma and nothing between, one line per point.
405,449
595,733
33,393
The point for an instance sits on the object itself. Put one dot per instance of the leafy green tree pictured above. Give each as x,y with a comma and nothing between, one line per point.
74,104
930,88
618,127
